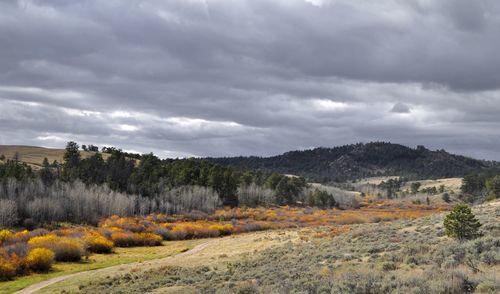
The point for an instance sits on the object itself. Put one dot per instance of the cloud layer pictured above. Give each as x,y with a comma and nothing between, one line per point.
225,77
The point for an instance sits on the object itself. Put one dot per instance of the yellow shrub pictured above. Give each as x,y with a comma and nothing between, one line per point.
65,248
40,259
224,229
4,235
7,270
98,244
150,239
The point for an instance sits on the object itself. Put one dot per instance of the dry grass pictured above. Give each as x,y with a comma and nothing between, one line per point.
360,258
215,252
99,261
375,180
34,156
451,184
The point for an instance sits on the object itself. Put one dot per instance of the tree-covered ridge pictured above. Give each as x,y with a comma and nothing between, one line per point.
363,160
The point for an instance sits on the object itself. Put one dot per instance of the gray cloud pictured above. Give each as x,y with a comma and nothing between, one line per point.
221,77
400,108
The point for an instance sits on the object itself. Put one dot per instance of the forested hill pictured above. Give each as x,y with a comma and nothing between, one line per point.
363,160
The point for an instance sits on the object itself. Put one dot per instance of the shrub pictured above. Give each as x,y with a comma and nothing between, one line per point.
446,197
461,223
224,230
7,270
129,239
150,239
125,239
19,264
4,235
164,233
40,259
19,249
29,224
65,248
98,244
18,237
389,266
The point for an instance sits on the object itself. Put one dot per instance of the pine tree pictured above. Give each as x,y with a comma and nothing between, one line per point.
461,223
493,186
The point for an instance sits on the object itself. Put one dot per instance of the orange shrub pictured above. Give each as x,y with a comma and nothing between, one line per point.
65,248
125,239
129,239
98,244
7,270
351,218
192,230
40,259
19,263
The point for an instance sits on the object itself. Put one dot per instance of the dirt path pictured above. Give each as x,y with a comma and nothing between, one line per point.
38,286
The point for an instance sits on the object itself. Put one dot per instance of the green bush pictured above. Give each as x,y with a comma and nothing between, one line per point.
461,223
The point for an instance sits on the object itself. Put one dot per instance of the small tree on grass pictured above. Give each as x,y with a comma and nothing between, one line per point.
461,223
446,197
493,186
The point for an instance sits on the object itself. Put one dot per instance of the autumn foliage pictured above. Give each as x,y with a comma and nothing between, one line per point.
40,259
25,251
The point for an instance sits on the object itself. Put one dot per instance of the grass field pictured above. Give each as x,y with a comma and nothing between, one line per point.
404,256
34,156
219,251
285,221
98,261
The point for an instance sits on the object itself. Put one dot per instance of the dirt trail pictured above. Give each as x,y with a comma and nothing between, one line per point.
38,286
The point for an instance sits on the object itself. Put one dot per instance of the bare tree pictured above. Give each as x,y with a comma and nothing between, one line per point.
8,213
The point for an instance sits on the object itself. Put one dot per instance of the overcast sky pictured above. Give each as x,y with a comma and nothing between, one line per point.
256,77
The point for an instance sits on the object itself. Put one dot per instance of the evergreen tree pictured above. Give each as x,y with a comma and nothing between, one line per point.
93,170
461,223
493,186
414,187
71,162
46,174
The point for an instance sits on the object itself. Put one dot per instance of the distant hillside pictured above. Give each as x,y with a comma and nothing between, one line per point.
34,156
363,160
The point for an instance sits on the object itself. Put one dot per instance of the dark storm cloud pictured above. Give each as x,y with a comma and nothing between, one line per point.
221,77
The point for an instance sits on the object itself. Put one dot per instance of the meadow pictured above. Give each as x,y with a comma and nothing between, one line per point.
33,256
34,156
403,256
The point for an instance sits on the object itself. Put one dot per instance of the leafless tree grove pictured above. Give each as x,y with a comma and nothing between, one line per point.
80,203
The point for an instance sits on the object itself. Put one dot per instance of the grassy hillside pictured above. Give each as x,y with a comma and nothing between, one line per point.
364,160
34,156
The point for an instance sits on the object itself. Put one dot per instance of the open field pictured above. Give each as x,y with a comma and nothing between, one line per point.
220,250
404,256
142,231
34,156
375,180
98,261
451,184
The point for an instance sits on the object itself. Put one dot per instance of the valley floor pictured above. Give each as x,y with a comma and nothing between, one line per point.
403,256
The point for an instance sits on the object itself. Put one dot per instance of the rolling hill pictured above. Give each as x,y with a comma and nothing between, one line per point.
361,160
33,155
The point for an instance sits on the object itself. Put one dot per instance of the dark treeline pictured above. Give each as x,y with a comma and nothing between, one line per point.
85,189
478,187
147,175
356,161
